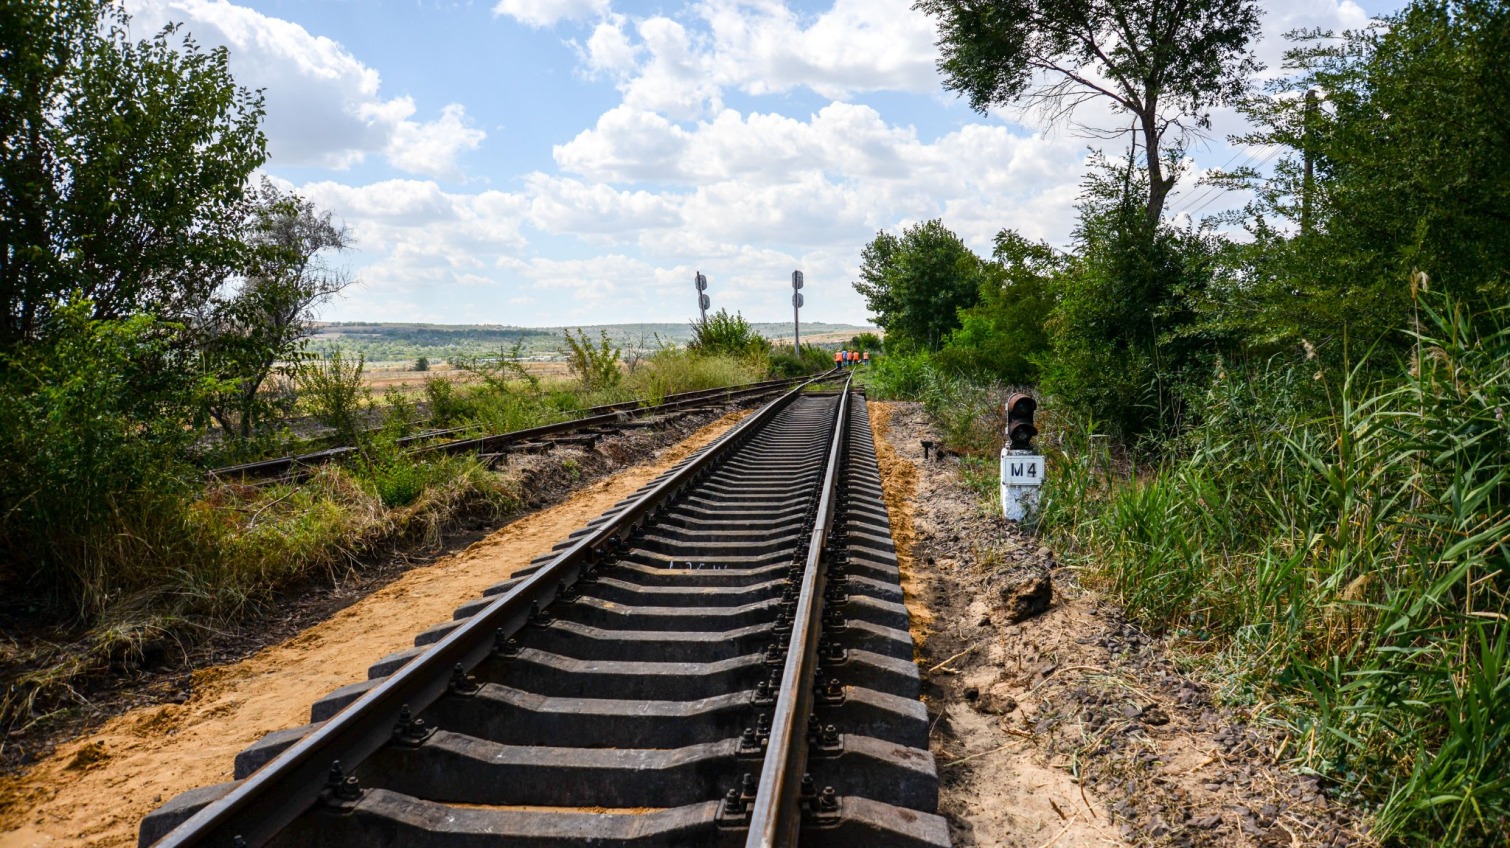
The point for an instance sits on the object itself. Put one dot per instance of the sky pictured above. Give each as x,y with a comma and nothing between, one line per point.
567,162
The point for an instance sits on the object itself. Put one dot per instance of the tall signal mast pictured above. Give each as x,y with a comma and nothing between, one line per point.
796,305
702,297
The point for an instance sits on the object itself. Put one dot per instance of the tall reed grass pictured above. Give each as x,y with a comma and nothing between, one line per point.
1342,565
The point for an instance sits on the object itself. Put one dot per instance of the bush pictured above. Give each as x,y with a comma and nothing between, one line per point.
333,390
727,335
811,359
670,371
422,364
597,367
93,481
448,407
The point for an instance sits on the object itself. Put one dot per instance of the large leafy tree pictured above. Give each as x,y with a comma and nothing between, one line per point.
1003,335
122,164
1408,133
1165,63
916,285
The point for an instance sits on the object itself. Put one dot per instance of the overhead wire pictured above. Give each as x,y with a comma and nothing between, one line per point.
1197,189
1262,162
1200,201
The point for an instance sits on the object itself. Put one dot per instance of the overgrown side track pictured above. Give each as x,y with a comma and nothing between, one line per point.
608,416
721,659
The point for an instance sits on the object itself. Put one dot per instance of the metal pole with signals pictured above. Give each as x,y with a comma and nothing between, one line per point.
796,305
702,298
1021,465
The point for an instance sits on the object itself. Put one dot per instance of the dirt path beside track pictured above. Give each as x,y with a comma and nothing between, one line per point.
1054,721
94,791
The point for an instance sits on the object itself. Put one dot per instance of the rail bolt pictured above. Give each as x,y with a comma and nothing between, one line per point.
538,616
828,801
340,788
462,683
409,730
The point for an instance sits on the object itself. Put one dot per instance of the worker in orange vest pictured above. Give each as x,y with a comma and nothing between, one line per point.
838,359
865,357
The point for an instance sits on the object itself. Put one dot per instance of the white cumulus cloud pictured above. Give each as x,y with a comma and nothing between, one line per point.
546,13
324,106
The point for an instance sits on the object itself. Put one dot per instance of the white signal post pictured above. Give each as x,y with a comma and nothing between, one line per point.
796,305
1022,467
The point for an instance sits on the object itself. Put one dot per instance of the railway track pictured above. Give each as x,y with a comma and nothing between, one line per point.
605,416
721,659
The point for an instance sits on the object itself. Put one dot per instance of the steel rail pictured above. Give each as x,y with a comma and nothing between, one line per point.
776,814
594,416
274,796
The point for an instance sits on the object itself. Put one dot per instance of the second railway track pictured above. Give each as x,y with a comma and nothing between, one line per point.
721,659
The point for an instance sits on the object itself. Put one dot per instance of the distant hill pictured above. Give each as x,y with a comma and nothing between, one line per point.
399,342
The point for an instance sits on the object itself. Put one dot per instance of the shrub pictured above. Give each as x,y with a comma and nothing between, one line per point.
422,364
596,366
1349,565
93,480
811,359
448,407
727,335
333,390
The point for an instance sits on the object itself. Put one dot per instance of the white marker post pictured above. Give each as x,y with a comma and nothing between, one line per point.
1021,467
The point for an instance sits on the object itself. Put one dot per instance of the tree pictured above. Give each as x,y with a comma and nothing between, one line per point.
258,326
123,165
915,285
1408,143
1164,62
1124,346
1002,337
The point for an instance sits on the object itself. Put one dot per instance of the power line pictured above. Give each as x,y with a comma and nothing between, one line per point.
1228,162
1259,164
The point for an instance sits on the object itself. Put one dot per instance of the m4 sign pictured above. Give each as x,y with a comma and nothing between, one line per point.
1022,470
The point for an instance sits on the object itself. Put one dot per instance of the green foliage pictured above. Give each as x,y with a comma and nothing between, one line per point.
727,335
865,342
422,364
1348,562
811,359
123,164
333,391
915,285
1122,336
1407,138
448,407
1003,336
596,366
899,376
91,446
1164,62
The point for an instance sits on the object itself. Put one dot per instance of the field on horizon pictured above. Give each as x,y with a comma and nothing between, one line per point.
395,342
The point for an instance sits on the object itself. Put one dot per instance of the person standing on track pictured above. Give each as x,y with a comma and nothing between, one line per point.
838,359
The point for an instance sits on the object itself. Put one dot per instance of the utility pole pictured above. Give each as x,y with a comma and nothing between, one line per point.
702,298
1308,184
796,305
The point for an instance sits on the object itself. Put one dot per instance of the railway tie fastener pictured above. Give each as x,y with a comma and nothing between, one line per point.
722,659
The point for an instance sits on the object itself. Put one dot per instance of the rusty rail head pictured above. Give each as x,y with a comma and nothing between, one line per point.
775,815
272,797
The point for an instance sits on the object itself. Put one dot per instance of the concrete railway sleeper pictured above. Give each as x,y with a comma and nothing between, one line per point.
721,659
